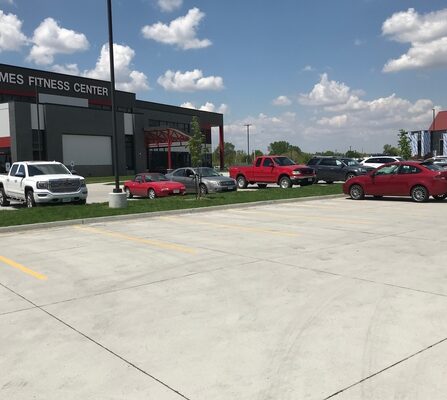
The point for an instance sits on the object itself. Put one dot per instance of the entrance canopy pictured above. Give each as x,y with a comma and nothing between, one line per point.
157,137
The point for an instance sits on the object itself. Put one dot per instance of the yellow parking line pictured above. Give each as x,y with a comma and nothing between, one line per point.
311,217
24,269
238,227
152,242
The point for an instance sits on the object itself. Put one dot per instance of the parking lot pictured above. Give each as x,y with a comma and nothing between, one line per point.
330,298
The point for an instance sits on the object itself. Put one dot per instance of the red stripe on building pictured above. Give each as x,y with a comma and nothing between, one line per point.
18,93
5,141
100,102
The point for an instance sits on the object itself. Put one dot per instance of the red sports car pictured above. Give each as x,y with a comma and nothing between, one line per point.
400,179
152,185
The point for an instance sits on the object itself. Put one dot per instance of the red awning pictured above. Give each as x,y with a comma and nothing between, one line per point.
440,122
5,141
157,137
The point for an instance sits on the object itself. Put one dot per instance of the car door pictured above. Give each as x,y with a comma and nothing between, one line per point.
383,181
138,186
15,183
264,173
406,178
327,169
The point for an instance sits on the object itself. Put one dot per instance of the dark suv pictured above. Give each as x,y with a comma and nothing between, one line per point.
332,169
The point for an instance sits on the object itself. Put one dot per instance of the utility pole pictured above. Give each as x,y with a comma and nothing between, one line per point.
112,87
248,140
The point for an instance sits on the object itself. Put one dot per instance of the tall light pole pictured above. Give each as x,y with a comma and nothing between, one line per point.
248,140
433,129
112,96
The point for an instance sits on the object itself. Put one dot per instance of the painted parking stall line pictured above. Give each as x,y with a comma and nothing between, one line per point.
23,269
236,227
152,242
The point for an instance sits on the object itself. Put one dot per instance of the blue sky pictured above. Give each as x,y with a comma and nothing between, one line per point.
322,75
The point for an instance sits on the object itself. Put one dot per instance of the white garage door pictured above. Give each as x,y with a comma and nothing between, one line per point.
87,149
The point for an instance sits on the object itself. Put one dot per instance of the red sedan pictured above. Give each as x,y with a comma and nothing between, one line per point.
152,185
400,179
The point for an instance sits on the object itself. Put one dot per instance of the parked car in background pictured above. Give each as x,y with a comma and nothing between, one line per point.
152,185
330,169
273,169
205,179
400,179
378,161
438,160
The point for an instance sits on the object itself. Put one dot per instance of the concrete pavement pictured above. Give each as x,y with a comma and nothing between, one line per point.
310,300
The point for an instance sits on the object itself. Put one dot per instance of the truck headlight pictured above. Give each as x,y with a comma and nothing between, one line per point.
296,172
42,185
82,182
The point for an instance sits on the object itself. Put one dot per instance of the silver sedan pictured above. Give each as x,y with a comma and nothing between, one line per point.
206,179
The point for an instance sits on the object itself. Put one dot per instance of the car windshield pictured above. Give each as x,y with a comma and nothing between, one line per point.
47,169
155,178
350,162
284,161
206,171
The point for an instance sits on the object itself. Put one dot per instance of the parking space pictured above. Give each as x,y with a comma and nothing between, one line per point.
322,299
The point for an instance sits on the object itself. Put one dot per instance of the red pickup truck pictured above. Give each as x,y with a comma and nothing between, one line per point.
273,169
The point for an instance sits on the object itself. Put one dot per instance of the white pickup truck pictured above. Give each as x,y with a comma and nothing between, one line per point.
36,182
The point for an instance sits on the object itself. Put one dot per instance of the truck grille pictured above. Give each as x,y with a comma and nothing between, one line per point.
307,171
64,185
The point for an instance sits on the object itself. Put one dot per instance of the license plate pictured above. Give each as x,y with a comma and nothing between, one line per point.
176,191
66,200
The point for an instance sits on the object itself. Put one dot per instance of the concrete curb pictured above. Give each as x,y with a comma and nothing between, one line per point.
125,217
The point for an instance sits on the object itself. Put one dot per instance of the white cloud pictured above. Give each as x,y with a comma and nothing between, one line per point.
308,68
50,39
427,35
11,36
180,32
189,81
169,5
337,121
326,93
125,78
222,109
282,101
359,42
338,118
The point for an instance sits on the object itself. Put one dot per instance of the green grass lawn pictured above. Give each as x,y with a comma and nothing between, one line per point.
51,213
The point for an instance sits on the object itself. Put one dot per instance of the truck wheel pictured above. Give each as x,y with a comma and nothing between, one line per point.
285,182
30,203
241,182
3,199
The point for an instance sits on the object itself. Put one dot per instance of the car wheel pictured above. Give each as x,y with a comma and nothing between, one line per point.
419,194
262,185
241,182
285,182
30,203
129,195
151,194
203,189
356,192
3,199
440,197
349,176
